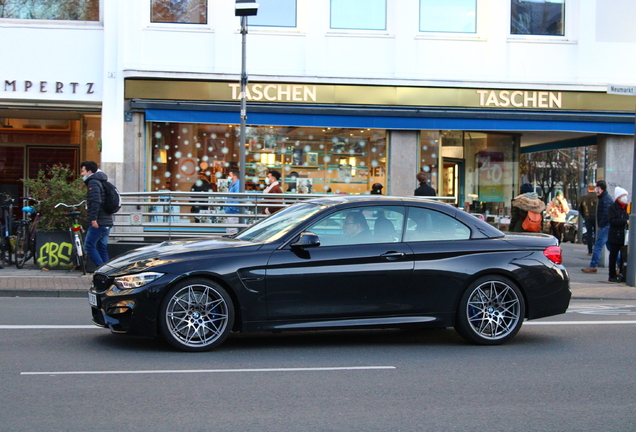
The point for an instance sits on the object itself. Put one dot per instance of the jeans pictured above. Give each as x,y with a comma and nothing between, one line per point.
601,240
590,226
95,244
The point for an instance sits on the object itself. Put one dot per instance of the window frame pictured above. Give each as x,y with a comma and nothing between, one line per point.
258,27
405,230
360,30
21,22
189,27
442,32
569,24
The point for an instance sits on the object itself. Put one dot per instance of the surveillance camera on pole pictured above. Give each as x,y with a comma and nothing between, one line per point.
243,9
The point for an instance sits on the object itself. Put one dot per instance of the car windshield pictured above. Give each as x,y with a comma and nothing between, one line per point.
283,221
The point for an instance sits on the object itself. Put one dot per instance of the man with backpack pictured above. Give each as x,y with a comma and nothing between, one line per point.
100,220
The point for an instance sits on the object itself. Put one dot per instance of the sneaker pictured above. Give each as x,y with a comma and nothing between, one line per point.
589,270
614,279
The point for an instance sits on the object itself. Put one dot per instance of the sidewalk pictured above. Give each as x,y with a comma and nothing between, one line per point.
31,282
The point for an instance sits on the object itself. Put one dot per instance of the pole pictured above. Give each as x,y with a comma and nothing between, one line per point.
631,243
243,107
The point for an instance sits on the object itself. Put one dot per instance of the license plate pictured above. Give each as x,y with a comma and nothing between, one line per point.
92,299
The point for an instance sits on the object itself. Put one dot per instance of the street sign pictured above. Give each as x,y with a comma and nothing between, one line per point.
621,90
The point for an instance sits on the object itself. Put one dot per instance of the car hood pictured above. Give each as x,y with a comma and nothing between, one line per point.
147,257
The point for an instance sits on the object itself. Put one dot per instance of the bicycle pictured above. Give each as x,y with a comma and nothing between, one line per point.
25,235
77,234
7,228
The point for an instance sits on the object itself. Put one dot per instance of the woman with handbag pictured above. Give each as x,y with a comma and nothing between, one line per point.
528,201
618,219
558,210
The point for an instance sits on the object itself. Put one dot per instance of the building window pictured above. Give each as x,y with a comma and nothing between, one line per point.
537,17
451,16
274,13
358,14
70,10
179,11
310,160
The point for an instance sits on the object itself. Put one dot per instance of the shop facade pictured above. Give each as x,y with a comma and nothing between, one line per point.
342,139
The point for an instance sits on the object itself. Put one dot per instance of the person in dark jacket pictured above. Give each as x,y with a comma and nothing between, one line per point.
376,189
617,219
424,189
602,209
522,204
100,222
587,210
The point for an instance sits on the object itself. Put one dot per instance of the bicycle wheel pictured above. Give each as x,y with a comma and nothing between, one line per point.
21,247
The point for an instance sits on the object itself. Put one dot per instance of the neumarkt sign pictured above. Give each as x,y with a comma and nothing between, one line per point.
374,95
621,90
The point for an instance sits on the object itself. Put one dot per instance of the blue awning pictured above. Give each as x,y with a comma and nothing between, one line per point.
395,121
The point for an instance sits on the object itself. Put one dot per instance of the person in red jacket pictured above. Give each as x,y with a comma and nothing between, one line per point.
273,186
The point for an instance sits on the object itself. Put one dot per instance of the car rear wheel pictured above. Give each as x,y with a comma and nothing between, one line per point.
491,311
196,315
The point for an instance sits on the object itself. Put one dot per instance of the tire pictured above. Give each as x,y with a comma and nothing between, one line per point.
196,315
491,311
21,247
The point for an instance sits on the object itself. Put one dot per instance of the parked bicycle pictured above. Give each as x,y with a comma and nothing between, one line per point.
25,233
6,228
77,234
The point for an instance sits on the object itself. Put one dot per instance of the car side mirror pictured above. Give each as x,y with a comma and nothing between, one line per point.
307,240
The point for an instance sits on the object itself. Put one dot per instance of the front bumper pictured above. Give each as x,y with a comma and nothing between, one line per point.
131,311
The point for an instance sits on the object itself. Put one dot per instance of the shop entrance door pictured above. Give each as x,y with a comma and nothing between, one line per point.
453,180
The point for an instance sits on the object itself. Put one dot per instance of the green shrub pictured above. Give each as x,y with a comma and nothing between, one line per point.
54,185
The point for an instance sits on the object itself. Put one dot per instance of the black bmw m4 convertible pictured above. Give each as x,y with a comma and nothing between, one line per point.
340,262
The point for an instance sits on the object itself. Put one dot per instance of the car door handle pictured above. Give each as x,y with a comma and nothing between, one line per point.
391,256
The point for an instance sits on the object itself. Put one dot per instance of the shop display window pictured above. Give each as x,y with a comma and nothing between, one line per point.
75,10
452,16
274,13
358,14
537,18
179,12
310,160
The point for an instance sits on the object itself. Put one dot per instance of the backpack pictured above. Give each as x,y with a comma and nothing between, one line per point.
532,222
112,199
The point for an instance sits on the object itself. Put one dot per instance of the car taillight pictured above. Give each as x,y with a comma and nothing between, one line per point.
554,254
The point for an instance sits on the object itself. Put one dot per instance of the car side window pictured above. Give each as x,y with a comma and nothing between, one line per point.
430,225
361,225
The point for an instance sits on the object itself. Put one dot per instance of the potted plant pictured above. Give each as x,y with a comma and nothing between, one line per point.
54,185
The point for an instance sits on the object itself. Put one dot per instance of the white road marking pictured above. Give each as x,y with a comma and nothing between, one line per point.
577,322
46,327
129,372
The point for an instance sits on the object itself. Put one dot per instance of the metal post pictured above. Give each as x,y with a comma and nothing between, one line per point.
631,244
243,107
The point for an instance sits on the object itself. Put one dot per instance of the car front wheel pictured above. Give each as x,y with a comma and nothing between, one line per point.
196,315
491,311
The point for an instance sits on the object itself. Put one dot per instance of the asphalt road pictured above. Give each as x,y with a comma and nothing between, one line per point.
568,373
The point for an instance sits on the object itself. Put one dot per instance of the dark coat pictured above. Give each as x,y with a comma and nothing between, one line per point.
604,201
95,198
273,209
618,218
424,190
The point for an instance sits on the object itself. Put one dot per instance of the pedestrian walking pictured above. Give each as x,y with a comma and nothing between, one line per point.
602,224
273,186
558,210
618,219
527,201
587,210
235,187
100,221
376,189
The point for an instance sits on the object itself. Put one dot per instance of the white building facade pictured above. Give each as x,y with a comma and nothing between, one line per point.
342,93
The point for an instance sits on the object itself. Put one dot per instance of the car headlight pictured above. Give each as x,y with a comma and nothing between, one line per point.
136,280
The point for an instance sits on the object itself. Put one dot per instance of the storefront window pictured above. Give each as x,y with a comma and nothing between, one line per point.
492,172
358,14
530,17
75,10
274,13
179,11
310,160
429,156
454,16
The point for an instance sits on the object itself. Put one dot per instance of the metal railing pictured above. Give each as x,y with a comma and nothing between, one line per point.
168,215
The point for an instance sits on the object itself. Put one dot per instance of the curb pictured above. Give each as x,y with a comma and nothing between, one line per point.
44,293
